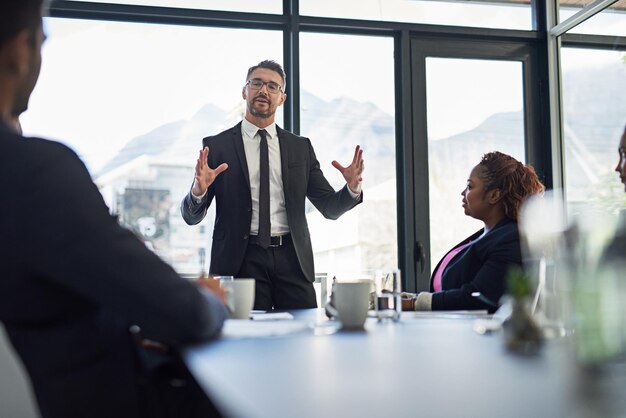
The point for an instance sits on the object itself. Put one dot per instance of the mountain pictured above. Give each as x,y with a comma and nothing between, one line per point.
336,127
180,139
593,109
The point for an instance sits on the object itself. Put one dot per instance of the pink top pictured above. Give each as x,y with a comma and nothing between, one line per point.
444,264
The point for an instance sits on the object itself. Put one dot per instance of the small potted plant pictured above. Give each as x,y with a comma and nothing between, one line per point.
521,332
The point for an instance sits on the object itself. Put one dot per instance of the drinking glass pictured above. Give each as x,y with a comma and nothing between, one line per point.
387,294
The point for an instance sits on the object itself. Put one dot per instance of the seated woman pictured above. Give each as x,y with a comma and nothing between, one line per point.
495,190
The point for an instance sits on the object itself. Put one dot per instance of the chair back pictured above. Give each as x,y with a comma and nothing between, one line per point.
16,397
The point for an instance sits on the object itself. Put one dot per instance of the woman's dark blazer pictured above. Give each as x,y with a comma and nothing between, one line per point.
481,267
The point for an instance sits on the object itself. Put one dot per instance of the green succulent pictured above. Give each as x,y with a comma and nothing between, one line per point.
518,283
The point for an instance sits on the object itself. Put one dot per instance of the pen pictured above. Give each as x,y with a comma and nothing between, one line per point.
484,299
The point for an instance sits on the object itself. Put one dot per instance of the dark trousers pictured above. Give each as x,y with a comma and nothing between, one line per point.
280,283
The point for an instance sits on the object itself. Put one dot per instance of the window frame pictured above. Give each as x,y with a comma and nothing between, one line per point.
543,123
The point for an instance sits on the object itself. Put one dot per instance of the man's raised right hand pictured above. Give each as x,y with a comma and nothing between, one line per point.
205,175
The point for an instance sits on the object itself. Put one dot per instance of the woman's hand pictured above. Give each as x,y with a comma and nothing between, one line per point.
408,304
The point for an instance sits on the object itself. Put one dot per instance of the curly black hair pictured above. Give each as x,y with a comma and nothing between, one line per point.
515,180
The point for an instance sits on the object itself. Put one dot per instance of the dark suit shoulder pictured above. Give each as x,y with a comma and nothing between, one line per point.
504,239
505,231
225,135
18,142
36,153
296,146
282,133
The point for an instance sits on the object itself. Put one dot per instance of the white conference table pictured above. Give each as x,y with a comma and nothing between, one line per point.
426,366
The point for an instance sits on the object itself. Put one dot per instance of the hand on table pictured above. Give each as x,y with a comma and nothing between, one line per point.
213,286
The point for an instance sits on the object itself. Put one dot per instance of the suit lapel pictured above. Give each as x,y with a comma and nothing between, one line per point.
241,153
283,143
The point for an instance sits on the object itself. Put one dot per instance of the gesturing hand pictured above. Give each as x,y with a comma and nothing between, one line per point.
352,173
205,175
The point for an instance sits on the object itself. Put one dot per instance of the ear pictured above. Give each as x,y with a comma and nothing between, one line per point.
282,100
243,93
494,196
16,54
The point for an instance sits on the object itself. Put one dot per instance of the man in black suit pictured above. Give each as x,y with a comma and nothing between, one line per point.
260,175
73,283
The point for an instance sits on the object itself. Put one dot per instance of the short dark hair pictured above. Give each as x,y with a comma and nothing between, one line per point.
516,181
18,15
270,65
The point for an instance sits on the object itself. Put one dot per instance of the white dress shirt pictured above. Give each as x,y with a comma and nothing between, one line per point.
251,145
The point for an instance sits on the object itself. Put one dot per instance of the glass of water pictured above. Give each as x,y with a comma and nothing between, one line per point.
387,294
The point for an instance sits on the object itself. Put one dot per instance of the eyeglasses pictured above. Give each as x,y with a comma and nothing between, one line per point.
257,84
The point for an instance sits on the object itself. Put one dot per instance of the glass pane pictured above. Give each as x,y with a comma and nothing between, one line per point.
135,106
342,106
252,6
503,14
594,83
474,107
609,22
579,4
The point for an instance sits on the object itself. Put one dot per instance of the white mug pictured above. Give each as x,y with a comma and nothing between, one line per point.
350,302
239,296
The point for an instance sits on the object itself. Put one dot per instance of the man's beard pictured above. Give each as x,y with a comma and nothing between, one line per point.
260,114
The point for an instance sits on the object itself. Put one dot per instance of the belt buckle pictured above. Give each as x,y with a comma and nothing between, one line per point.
280,241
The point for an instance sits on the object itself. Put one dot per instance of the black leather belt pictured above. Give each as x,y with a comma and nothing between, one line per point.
274,241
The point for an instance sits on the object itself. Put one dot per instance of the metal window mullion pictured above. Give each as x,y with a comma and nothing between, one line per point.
405,185
555,98
291,60
585,13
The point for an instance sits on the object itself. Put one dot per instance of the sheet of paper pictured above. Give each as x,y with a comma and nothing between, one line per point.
246,328
446,314
269,316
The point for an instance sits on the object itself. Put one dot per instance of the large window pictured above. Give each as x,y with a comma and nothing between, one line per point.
610,21
136,89
265,6
496,14
135,101
594,102
474,107
469,97
345,103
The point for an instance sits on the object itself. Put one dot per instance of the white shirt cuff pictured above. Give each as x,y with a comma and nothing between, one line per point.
424,301
198,199
354,195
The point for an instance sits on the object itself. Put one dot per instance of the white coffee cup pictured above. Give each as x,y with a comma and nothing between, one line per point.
239,297
350,302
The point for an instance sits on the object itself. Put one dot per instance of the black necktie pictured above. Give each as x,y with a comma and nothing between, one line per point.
264,192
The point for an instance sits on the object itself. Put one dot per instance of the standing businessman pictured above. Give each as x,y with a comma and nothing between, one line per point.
74,283
259,176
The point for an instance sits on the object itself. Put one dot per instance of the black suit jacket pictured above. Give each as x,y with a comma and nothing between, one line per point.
72,283
302,178
481,267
